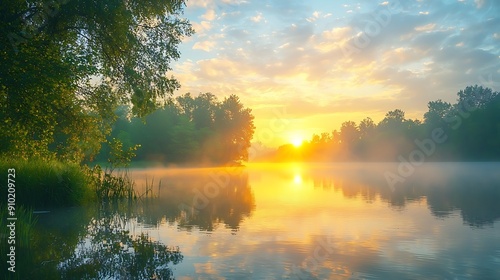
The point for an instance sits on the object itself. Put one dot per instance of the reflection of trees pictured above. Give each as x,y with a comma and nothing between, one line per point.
55,237
93,243
365,182
183,199
469,188
475,196
233,203
110,251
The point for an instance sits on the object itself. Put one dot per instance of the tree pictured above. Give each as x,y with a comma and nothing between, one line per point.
394,116
186,105
438,111
67,64
473,97
367,128
393,124
234,124
467,130
349,133
190,129
203,113
477,134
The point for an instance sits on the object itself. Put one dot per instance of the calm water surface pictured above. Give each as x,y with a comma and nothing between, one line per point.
292,221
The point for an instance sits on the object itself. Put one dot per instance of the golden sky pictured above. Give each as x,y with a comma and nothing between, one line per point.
307,66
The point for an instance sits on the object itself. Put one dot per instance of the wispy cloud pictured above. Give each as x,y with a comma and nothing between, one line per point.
311,58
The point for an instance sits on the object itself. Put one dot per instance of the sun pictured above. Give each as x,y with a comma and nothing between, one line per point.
296,138
296,141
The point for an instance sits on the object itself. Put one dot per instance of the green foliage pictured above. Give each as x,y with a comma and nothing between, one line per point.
67,64
45,184
438,111
118,157
190,129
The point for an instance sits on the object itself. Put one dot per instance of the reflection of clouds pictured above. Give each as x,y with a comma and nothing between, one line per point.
370,240
424,247
205,268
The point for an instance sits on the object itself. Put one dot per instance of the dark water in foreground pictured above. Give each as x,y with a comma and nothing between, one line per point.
293,221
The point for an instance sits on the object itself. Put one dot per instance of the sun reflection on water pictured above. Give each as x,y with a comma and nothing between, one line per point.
297,179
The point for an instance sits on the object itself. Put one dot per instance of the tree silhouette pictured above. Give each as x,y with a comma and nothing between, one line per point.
470,127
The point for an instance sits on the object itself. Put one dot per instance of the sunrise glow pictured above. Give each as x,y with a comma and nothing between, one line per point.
297,179
309,72
296,141
245,139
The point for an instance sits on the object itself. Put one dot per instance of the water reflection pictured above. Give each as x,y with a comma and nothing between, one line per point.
473,189
94,242
198,198
413,231
316,221
53,238
110,251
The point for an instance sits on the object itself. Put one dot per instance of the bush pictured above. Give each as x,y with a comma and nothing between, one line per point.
46,184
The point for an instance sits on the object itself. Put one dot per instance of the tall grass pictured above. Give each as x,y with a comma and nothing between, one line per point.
46,184
110,185
148,193
24,226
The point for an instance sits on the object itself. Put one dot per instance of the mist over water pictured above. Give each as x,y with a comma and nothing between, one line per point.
270,219
310,221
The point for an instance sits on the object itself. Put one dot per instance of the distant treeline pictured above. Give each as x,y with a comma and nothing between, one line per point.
468,130
201,130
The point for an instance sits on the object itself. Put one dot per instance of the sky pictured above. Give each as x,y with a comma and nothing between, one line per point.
306,67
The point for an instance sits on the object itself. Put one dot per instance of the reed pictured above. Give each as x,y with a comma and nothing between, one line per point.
45,184
110,185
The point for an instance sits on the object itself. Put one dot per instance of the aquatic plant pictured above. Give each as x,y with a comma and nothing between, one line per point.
47,183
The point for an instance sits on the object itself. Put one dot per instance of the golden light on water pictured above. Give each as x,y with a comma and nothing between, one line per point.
297,179
337,211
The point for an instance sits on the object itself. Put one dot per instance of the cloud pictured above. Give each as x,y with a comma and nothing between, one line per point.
202,27
315,16
235,2
204,45
209,15
257,18
426,28
312,62
199,3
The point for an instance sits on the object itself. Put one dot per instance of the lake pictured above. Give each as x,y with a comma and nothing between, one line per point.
285,221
